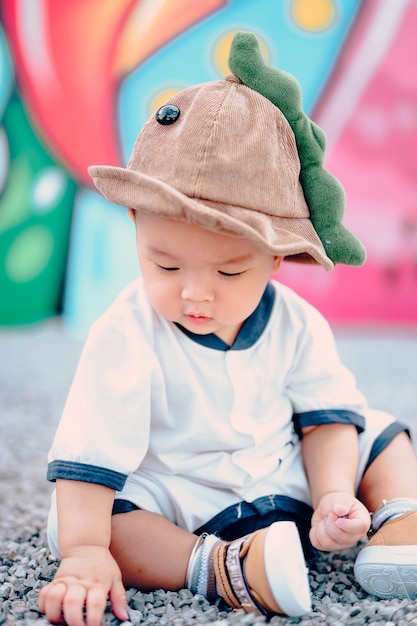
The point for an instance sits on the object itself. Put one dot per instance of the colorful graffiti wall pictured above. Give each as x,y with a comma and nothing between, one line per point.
78,79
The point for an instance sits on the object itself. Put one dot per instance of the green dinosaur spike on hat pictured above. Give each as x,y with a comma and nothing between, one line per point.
323,193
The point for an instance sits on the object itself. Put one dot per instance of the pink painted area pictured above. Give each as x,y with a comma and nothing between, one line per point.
375,156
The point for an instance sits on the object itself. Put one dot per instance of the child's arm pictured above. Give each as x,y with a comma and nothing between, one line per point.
88,574
330,454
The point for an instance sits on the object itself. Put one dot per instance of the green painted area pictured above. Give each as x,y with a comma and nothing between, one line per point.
35,218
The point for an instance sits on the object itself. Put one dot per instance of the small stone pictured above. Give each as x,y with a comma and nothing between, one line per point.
5,590
20,572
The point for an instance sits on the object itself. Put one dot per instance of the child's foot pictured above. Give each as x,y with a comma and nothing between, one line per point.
387,566
264,572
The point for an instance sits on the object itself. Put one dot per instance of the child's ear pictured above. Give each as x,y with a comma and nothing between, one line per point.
132,215
277,263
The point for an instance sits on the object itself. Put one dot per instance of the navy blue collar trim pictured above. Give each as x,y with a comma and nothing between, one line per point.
252,328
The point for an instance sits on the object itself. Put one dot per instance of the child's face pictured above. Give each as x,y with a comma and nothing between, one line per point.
205,281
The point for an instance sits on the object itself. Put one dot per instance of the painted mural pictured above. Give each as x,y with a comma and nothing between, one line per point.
78,79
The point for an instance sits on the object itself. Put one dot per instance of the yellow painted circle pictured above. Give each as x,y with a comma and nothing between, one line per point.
313,15
222,49
29,254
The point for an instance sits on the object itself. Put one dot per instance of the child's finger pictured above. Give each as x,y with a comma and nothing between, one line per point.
341,509
73,606
95,606
51,599
119,601
352,526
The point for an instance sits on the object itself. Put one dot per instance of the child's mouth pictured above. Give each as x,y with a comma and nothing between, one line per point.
197,318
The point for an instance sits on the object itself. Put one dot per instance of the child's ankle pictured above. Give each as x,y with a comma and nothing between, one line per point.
390,509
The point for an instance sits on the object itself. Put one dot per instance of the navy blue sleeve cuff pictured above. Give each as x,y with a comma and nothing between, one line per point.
86,473
327,416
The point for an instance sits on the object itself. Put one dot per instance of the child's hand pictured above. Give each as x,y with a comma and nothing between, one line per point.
85,578
338,522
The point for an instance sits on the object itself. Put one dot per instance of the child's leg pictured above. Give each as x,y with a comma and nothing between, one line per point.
393,474
151,552
387,566
261,572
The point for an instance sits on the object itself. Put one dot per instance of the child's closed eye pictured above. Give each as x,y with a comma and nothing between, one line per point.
230,274
166,269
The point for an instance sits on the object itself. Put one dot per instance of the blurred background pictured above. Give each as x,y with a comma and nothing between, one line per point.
79,78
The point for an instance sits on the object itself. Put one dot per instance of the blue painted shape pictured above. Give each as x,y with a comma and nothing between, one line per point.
102,258
6,72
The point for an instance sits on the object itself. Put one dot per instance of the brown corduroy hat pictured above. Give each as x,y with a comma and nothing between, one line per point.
221,156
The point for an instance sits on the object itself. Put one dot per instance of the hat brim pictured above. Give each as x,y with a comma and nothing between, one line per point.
292,238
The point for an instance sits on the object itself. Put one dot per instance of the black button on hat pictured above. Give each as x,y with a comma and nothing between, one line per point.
167,114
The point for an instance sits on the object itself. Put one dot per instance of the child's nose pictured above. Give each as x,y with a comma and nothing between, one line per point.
196,290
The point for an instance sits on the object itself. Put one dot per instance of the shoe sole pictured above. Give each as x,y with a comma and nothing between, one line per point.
388,571
286,569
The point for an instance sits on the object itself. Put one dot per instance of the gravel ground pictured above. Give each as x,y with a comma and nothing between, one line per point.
36,367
